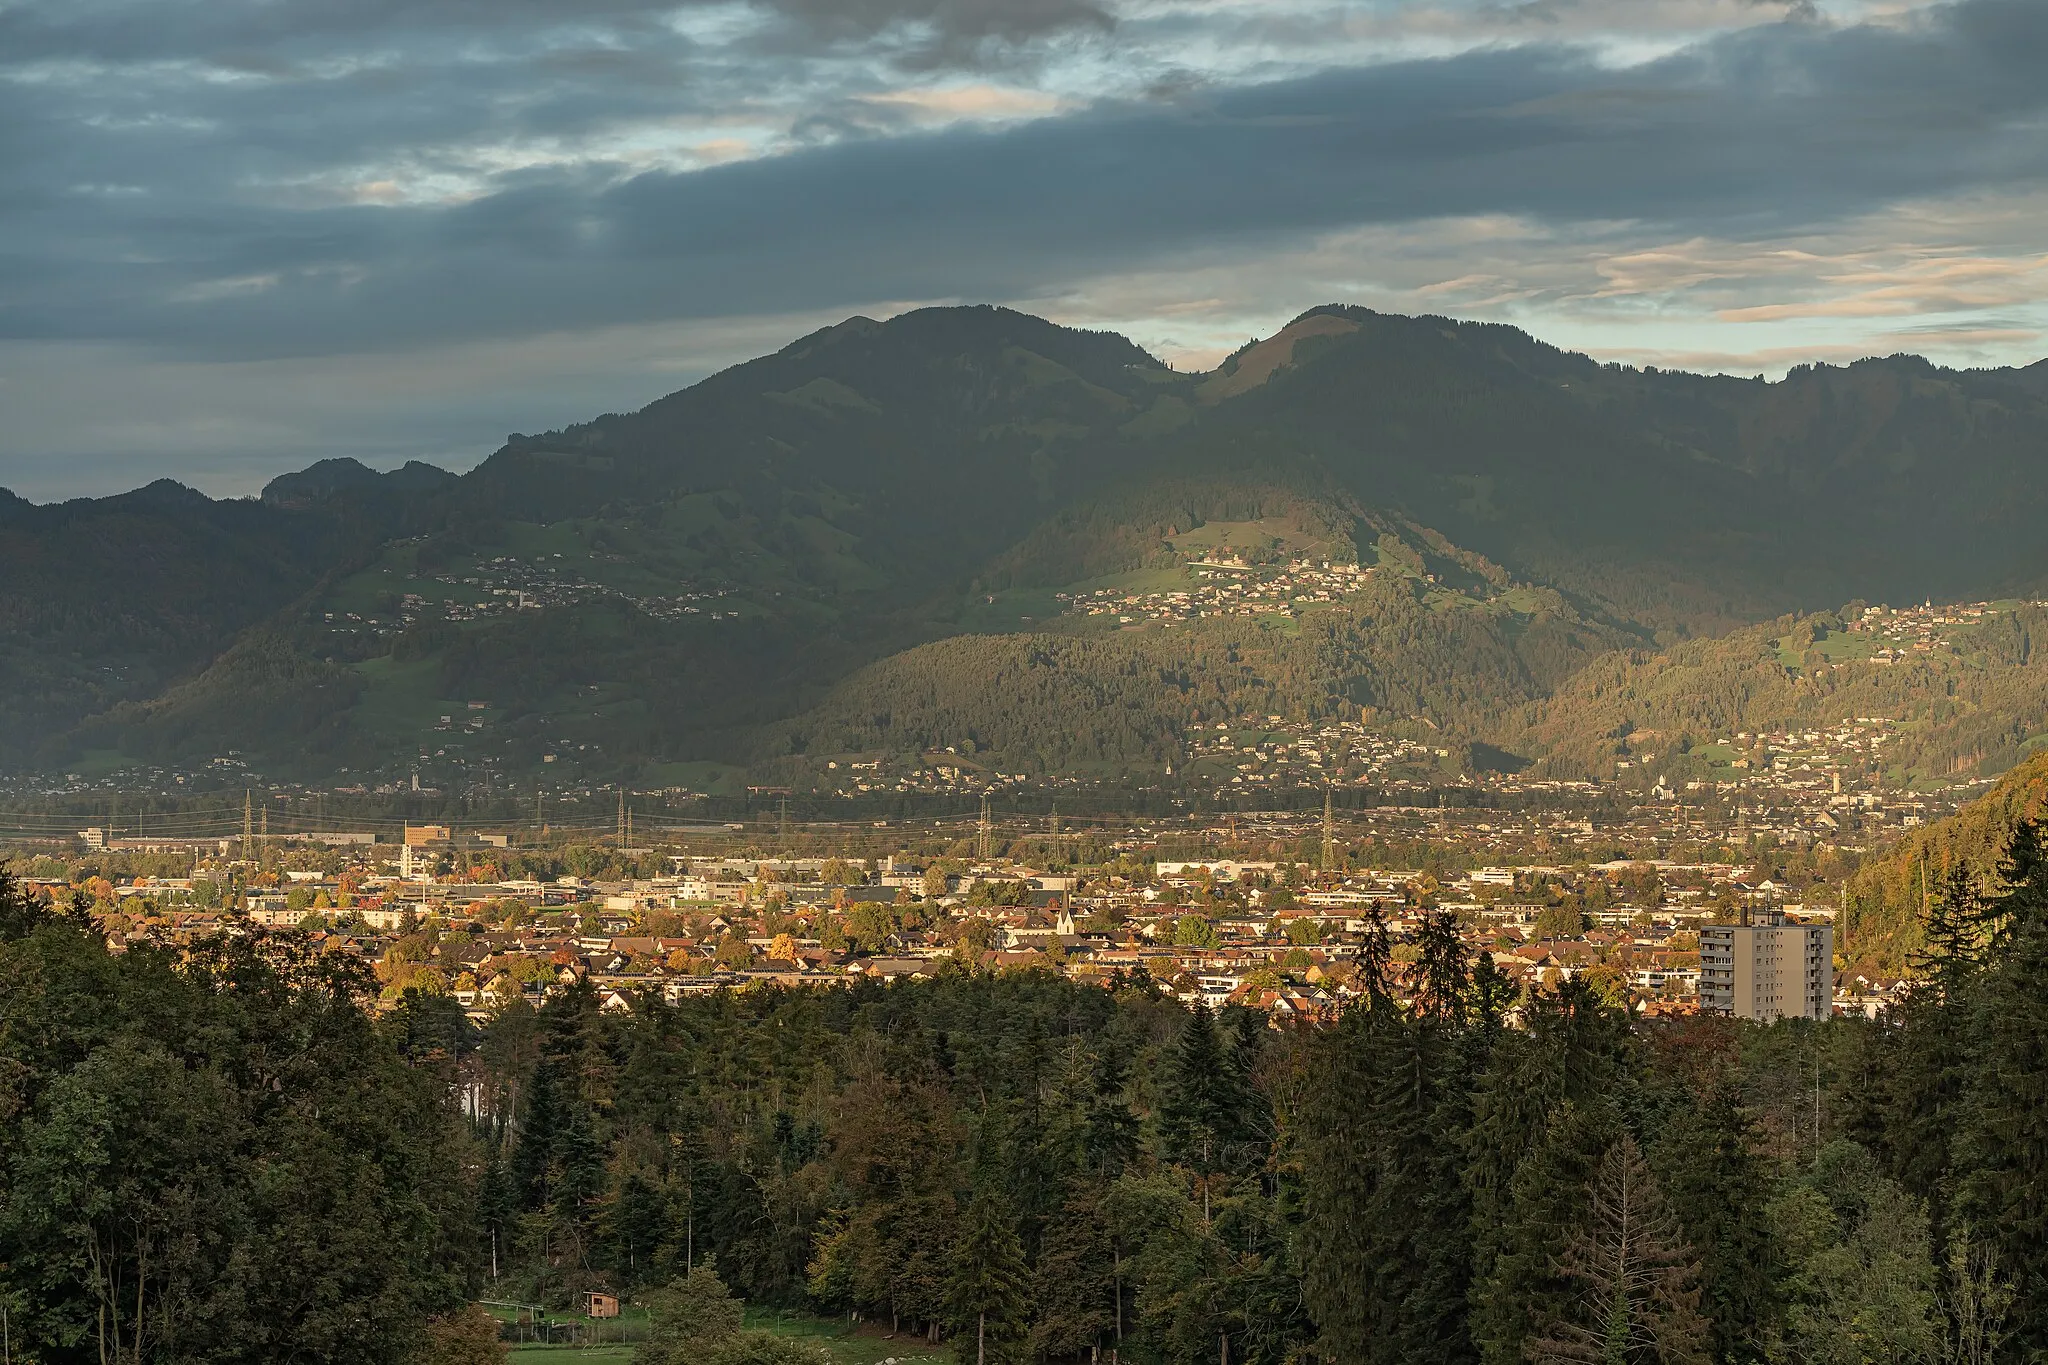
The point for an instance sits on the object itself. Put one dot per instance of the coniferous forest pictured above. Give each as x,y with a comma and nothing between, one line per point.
219,1155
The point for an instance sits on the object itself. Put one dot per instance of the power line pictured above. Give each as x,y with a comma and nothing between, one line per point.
1329,835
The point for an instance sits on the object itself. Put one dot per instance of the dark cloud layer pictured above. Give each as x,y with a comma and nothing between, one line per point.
1781,126
267,36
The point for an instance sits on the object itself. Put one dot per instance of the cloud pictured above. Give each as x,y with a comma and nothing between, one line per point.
1930,282
1962,280
1760,131
950,103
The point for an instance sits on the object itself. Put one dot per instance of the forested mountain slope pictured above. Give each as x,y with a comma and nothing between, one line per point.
1972,702
1396,651
111,599
865,455
1886,903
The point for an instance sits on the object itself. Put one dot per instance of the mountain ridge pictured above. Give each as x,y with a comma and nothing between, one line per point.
726,557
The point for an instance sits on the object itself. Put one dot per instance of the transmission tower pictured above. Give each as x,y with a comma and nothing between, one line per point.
1329,835
622,818
986,841
248,825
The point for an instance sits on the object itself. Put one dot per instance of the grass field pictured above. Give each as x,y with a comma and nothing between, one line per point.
1014,609
1838,647
866,1345
1275,532
572,1355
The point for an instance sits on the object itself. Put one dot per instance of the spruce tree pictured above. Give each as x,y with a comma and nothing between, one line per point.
1932,1052
1203,1119
1525,1288
2004,1146
635,1224
1442,977
1376,954
1544,1113
1111,1137
1351,1277
20,913
1718,1188
1076,1275
990,1284
1386,1233
542,1117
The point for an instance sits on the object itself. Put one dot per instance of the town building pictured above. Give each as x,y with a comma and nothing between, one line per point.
1767,969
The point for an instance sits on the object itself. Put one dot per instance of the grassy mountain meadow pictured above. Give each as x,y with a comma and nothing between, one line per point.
965,527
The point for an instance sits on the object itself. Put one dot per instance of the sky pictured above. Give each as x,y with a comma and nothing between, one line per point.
237,236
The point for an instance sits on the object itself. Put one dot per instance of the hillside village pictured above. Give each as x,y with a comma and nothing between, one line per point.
1224,584
505,584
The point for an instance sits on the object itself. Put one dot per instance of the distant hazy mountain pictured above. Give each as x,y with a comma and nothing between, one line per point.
855,544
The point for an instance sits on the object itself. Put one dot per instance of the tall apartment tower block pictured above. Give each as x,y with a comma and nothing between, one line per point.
1766,969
